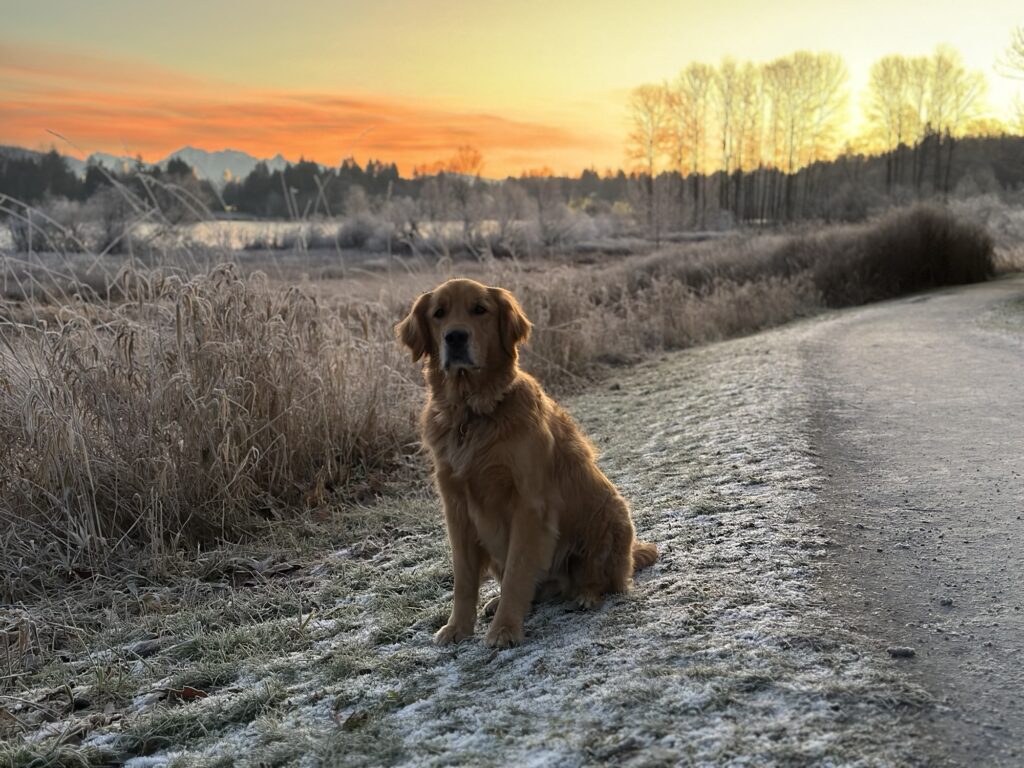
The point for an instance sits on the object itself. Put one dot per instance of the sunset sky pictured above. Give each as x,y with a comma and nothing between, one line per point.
530,84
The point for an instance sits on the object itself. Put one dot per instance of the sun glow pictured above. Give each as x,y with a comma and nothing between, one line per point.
529,84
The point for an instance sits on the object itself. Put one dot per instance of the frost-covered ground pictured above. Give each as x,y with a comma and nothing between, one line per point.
725,653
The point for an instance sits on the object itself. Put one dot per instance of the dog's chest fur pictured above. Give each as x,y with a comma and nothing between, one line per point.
464,443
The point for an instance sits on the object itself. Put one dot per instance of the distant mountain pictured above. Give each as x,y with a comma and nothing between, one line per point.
75,165
116,163
18,153
223,166
218,167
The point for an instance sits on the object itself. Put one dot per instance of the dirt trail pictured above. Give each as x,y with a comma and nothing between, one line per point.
919,409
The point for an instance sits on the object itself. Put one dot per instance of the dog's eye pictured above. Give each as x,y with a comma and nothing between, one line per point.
479,309
439,313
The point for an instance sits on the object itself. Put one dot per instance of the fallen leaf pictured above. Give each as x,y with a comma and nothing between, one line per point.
186,693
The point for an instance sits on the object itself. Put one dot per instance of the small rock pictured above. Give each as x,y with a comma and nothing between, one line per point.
145,648
946,602
615,387
901,652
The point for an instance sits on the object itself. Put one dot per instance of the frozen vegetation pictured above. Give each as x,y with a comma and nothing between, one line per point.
724,653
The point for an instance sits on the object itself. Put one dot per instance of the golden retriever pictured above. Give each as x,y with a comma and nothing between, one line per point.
524,499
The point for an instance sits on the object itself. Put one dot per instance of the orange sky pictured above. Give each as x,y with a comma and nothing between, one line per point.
131,107
529,83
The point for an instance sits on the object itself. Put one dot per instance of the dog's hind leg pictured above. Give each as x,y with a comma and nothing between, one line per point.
606,564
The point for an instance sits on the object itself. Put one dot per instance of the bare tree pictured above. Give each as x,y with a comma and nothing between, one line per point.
727,90
691,98
824,78
926,104
955,96
649,133
749,124
467,161
888,109
462,174
967,92
919,76
807,98
1011,64
649,121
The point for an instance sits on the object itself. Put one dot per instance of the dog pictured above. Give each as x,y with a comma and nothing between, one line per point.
523,497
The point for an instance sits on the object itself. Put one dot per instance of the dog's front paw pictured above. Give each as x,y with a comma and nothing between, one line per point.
452,633
504,636
588,600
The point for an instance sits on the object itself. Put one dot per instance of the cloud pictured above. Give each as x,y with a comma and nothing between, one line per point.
118,106
40,63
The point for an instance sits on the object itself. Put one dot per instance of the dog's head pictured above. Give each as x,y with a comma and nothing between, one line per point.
463,325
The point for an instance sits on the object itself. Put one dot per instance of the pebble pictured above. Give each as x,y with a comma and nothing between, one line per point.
901,652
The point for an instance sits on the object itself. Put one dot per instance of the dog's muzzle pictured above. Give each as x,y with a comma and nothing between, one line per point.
456,350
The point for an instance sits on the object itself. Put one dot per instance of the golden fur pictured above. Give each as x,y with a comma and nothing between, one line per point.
524,499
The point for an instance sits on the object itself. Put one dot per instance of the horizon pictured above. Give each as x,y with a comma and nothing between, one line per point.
399,83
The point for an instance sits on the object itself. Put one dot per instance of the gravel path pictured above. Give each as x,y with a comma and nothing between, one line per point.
920,406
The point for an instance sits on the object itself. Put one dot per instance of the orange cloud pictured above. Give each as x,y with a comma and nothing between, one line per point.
131,107
40,63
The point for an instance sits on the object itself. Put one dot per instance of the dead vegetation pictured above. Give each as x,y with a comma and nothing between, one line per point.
159,409
188,412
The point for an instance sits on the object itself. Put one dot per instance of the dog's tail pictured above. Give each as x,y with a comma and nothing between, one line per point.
644,554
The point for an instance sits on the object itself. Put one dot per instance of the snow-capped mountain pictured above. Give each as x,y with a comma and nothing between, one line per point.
116,163
218,167
224,165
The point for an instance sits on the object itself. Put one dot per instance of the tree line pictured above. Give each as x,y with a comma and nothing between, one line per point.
31,178
845,188
754,140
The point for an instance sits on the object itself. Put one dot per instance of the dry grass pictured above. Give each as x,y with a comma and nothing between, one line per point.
588,320
682,296
187,414
154,410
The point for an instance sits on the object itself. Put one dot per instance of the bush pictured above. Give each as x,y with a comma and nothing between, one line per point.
113,212
357,231
906,251
57,228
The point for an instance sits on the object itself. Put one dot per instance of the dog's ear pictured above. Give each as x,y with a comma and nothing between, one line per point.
414,330
513,325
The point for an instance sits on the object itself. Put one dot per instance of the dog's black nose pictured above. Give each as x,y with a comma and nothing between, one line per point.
456,338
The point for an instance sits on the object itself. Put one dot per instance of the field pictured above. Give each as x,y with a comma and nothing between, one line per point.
218,532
